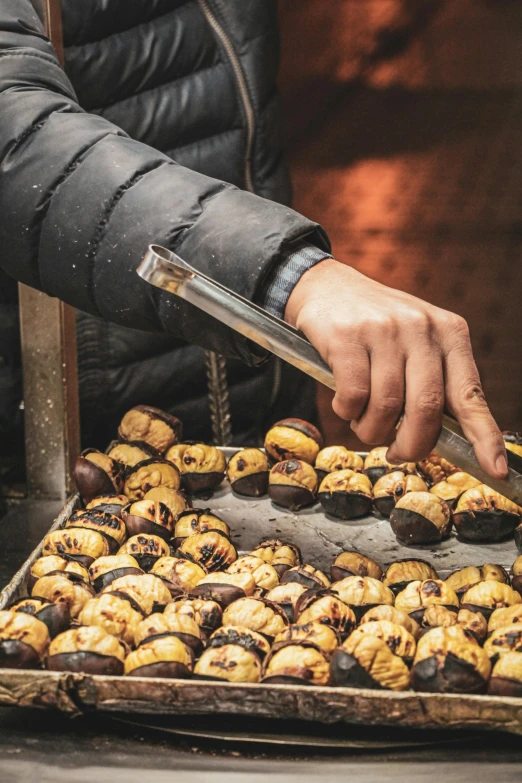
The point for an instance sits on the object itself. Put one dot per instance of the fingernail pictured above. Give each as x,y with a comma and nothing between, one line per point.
501,465
353,425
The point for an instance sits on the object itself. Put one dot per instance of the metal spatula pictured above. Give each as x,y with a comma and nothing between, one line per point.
167,271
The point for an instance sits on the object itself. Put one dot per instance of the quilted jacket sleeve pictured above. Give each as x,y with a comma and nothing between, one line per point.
80,202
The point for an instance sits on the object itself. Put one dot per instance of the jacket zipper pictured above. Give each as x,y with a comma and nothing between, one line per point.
242,87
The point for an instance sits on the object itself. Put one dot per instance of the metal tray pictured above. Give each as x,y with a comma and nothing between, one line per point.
320,539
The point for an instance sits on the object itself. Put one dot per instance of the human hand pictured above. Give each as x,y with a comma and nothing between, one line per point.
392,353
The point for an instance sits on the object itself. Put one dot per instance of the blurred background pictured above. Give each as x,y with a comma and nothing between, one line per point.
404,126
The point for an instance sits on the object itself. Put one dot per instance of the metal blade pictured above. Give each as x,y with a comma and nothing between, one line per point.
167,271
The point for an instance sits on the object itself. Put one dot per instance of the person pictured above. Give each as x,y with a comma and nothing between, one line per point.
164,128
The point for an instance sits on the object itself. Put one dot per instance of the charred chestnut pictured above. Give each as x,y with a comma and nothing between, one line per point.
145,549
376,464
151,517
244,637
231,662
179,625
365,661
362,592
224,588
417,596
164,656
203,468
76,543
129,453
265,576
58,588
420,518
148,591
322,636
460,581
513,441
105,570
95,473
207,614
296,664
178,574
293,439
387,613
473,622
485,597
171,498
505,615
448,660
197,520
516,574
354,564
306,575
110,526
292,484
49,564
211,550
399,640
334,458
504,640
258,614
87,649
481,514
452,487
436,468
398,575
150,474
325,607
108,504
247,472
280,554
116,613
392,487
23,640
56,616
506,677
346,494
286,597
152,426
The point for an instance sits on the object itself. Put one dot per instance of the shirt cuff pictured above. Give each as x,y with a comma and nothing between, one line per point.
297,261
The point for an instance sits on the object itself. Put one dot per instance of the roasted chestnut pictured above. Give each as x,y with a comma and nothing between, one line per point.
293,439
105,570
56,616
109,504
504,640
265,576
109,525
163,656
451,488
180,625
129,453
506,677
258,614
482,514
244,637
474,623
247,472
175,454
392,615
286,597
150,474
232,662
178,574
207,614
212,550
334,458
95,473
362,592
117,613
150,425
417,596
52,563
148,591
436,468
505,615
58,588
292,484
354,564
295,663
376,464
145,549
449,660
203,468
86,649
224,588
485,597
306,575
23,640
400,573
365,661
392,486
197,520
346,494
513,442
325,607
516,573
437,616
76,543
420,518
460,581
171,498
280,554
151,517
399,640
322,636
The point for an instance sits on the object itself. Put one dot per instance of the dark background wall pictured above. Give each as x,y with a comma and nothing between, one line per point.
405,134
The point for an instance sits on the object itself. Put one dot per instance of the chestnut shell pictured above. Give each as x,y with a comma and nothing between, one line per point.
405,522
347,672
345,505
487,526
291,497
505,686
104,580
15,654
252,486
221,593
170,669
136,524
84,661
91,480
455,676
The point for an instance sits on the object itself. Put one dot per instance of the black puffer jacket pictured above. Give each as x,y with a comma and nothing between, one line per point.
88,180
